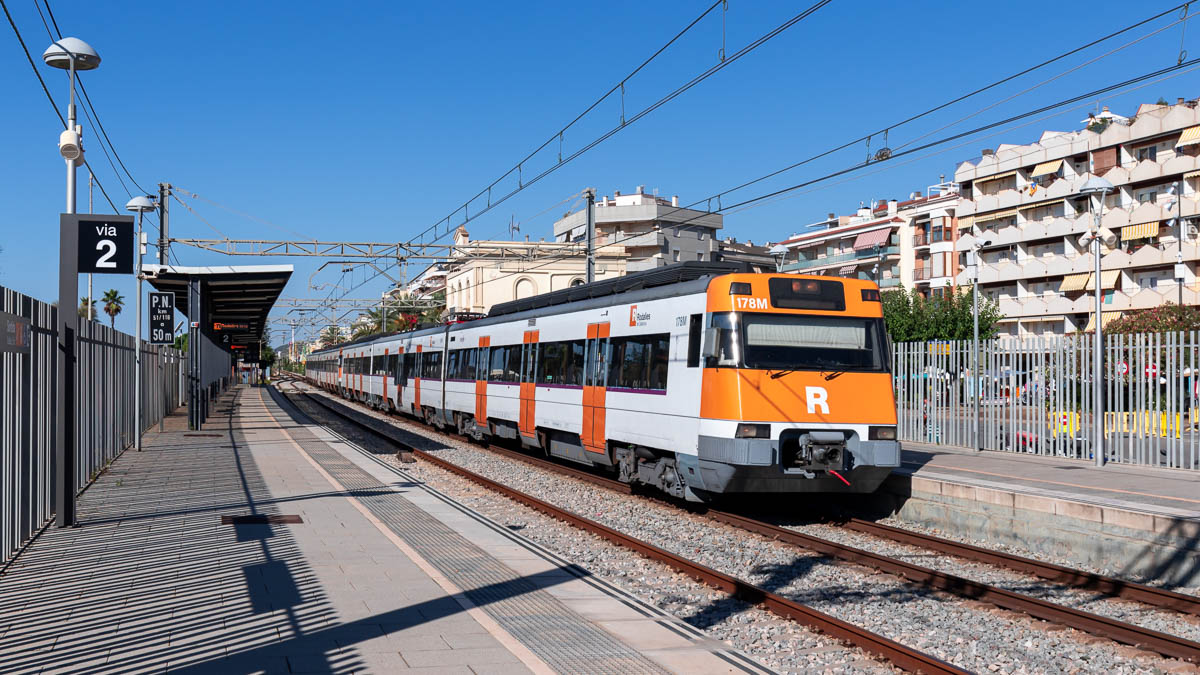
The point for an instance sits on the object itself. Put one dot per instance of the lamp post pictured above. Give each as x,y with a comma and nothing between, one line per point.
1176,191
1098,187
70,54
976,392
780,252
139,205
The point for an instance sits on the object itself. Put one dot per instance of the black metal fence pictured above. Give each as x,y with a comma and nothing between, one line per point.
1036,395
105,406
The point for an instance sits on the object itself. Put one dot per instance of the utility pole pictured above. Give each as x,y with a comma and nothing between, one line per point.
90,308
164,195
590,194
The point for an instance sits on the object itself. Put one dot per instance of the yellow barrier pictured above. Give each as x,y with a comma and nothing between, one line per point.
1144,423
1064,422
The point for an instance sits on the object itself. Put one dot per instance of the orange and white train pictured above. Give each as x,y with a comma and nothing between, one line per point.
694,381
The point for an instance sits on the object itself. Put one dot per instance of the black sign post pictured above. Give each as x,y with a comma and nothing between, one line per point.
162,318
87,244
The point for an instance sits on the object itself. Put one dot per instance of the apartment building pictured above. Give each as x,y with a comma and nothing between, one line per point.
908,244
654,231
1025,201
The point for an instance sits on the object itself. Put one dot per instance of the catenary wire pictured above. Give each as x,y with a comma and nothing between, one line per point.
522,184
718,196
1185,66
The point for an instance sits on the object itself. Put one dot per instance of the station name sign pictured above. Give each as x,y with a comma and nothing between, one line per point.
218,326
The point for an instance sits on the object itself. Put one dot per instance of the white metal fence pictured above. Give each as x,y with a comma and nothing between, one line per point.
105,371
1036,396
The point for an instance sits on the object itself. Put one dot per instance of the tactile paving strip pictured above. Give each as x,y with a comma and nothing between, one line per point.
564,640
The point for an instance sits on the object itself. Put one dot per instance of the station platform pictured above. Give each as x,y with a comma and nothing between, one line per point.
263,544
1133,521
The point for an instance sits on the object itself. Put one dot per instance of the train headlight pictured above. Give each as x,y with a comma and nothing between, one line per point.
753,431
882,433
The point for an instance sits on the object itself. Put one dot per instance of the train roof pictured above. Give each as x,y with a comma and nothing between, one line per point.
679,279
659,276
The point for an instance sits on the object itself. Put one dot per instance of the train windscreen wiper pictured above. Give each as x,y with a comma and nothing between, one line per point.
834,374
780,373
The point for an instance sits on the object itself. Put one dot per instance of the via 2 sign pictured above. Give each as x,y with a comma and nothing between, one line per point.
105,244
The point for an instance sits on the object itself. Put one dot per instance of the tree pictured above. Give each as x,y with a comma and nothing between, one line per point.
331,336
910,317
1166,318
114,302
266,356
84,306
181,342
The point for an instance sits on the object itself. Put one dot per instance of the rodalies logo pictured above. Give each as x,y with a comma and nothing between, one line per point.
637,318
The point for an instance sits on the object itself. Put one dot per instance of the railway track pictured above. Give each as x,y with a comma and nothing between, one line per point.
901,656
1095,624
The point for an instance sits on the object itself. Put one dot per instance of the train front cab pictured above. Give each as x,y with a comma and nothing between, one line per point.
797,390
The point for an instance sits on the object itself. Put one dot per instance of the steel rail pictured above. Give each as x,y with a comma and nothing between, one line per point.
1163,643
900,655
1105,585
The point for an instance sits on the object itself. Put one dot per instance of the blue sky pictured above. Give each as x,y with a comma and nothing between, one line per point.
373,120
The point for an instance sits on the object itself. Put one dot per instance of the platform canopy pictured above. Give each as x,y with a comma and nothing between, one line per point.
237,299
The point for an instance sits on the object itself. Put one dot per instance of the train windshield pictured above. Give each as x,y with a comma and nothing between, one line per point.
800,342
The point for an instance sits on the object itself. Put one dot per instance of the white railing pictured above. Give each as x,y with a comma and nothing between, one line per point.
1035,396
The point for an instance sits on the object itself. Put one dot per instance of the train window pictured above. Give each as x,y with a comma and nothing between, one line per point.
482,362
695,329
573,362
551,363
431,365
452,360
461,365
505,364
409,368
825,343
640,362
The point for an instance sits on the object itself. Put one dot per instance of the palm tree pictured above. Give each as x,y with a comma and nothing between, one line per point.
85,311
331,336
114,302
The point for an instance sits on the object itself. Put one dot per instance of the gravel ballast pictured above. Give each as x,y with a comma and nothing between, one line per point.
971,635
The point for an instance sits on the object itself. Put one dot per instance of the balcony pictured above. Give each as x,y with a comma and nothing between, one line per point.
841,259
655,239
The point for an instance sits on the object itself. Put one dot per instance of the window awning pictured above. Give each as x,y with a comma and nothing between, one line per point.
1190,136
996,216
1105,319
966,222
1074,282
1108,280
999,176
1140,231
872,238
1191,174
1046,168
846,270
1047,202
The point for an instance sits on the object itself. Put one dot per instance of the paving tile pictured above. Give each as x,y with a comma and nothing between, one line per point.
458,657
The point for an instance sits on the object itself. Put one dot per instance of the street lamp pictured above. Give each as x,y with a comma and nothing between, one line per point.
780,252
976,246
71,54
140,205
1176,191
1099,187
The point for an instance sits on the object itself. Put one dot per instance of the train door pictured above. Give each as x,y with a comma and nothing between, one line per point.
595,375
482,364
527,423
398,376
